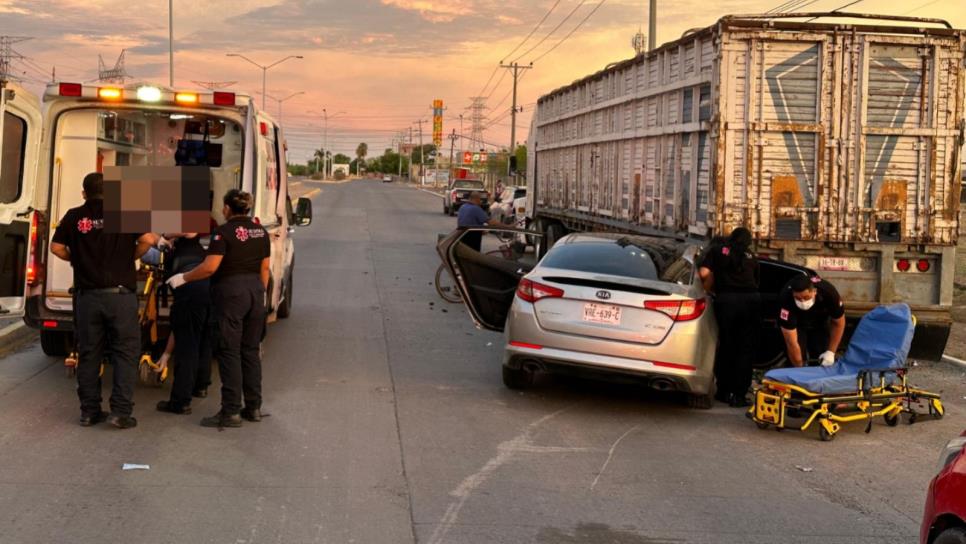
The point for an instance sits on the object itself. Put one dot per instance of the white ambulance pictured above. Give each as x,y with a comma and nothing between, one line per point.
88,127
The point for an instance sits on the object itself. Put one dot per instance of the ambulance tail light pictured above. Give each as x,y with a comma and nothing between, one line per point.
33,259
70,89
224,99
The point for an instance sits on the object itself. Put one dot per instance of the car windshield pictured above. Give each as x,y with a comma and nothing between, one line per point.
605,257
467,184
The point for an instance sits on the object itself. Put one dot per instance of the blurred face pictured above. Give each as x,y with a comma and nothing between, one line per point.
226,211
804,299
475,199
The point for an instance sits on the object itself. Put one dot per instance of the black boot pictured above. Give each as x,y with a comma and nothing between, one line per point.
123,422
88,420
221,419
254,415
172,408
200,393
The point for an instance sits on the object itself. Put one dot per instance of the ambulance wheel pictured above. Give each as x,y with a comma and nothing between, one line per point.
56,343
891,420
824,435
953,535
145,374
285,308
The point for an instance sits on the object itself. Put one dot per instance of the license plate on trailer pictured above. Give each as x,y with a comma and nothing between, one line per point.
607,314
841,264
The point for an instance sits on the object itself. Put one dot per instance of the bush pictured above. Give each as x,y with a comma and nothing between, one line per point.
317,176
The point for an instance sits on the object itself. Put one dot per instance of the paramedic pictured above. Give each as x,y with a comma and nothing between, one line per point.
730,272
471,214
105,303
190,325
238,265
812,319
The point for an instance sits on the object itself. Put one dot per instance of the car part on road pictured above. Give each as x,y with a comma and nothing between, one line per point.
446,286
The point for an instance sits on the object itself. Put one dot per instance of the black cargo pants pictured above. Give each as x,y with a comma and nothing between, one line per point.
106,324
191,322
739,323
239,302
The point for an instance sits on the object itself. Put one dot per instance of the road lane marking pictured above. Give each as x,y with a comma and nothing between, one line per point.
430,192
610,455
311,193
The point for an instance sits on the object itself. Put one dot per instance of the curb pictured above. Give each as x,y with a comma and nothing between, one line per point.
954,361
13,337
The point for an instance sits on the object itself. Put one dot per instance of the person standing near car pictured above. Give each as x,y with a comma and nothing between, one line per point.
238,265
730,273
812,318
191,323
105,304
470,215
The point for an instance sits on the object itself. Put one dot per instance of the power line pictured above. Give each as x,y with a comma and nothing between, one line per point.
926,5
519,45
555,29
854,2
575,29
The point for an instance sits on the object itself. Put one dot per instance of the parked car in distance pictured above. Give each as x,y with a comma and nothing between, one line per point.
387,178
505,204
607,305
944,519
459,191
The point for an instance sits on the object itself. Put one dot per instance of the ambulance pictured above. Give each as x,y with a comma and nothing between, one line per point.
87,127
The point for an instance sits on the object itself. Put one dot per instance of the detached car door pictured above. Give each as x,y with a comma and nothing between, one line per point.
487,283
19,151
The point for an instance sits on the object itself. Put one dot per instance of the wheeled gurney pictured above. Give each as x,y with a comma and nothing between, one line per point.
869,381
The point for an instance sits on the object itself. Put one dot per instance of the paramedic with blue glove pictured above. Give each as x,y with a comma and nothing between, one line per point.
812,319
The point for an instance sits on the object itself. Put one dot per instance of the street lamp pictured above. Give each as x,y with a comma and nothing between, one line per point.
264,68
279,101
325,137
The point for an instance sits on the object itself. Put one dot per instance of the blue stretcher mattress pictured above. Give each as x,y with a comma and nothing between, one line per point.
881,341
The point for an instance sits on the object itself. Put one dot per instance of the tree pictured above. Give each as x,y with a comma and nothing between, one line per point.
362,150
521,154
341,158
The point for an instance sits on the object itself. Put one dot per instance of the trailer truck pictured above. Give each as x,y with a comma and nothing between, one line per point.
837,141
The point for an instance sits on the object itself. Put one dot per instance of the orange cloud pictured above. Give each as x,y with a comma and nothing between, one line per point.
436,12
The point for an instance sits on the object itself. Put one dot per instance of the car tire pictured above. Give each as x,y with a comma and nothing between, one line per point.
56,344
517,378
701,402
285,308
446,210
555,231
953,535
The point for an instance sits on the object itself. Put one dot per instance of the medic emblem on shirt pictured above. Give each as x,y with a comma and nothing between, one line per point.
816,279
726,250
784,314
85,225
241,233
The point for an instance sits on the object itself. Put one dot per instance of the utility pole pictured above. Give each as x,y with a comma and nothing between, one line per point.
461,135
515,68
422,158
652,27
399,141
452,144
171,43
264,68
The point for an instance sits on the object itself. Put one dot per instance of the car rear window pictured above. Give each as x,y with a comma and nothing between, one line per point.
519,193
468,185
603,258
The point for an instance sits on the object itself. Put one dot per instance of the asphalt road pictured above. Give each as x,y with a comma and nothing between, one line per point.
389,424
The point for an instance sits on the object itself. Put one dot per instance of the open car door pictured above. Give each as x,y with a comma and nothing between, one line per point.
773,277
486,281
20,123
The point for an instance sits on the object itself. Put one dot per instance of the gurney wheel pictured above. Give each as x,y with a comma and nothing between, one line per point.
891,420
761,425
912,418
824,435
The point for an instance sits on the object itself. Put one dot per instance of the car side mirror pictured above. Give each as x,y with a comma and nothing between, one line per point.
303,212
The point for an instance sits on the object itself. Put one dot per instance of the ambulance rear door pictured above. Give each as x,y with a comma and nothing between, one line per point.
20,127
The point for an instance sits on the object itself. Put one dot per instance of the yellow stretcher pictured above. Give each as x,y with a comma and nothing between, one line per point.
869,381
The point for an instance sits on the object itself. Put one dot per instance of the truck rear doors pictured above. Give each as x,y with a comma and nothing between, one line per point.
19,147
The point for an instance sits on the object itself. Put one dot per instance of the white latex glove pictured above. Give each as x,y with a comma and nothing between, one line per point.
176,281
827,358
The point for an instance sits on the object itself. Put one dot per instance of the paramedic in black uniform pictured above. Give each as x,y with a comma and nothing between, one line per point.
238,264
190,325
812,319
730,272
105,304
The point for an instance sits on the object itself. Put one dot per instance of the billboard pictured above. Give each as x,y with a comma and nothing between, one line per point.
470,157
437,122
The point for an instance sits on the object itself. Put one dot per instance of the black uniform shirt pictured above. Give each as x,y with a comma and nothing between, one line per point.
828,304
100,260
729,275
243,243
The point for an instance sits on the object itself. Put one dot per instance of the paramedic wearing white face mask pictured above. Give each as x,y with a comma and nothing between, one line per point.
812,319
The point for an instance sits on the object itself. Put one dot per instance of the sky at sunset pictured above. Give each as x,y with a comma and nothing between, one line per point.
382,62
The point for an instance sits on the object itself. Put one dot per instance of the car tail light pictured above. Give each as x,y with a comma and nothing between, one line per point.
224,99
452,196
922,265
71,89
903,265
33,259
532,291
525,345
678,310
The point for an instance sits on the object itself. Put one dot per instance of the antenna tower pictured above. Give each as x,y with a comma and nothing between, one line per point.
477,118
7,54
214,85
112,75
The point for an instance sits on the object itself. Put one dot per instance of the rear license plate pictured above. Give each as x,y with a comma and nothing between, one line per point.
841,264
608,314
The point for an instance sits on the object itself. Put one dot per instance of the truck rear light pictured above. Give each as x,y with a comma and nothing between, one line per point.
109,93
224,99
903,265
922,265
70,89
33,259
678,310
532,291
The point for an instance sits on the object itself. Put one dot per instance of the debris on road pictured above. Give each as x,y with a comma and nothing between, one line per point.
804,469
133,466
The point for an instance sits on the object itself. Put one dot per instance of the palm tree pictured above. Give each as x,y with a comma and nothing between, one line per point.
361,151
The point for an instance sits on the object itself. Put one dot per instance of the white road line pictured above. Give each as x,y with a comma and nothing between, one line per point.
10,329
610,455
432,193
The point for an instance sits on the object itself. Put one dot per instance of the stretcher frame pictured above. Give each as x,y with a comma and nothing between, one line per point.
875,396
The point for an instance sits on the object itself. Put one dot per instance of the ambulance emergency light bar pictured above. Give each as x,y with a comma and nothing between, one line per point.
147,94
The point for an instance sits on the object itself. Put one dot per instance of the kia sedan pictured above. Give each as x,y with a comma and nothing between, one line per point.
609,306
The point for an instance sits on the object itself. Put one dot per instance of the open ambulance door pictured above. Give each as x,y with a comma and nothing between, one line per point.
20,126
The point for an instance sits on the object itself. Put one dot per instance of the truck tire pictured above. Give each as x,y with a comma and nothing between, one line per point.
555,231
285,308
56,344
